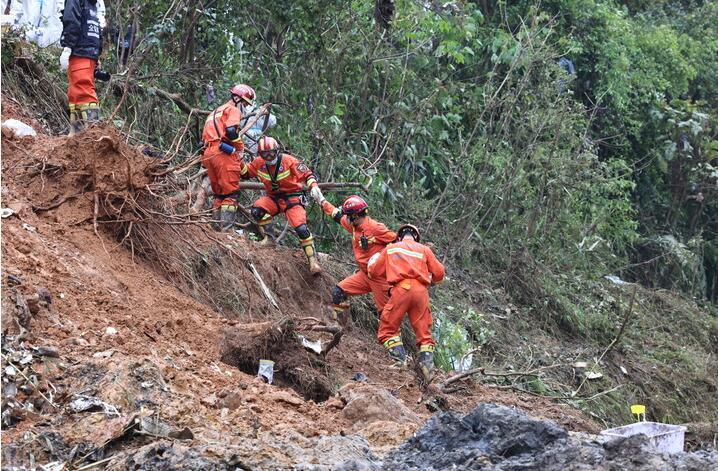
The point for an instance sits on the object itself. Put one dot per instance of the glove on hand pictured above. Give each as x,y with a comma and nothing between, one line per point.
65,58
316,193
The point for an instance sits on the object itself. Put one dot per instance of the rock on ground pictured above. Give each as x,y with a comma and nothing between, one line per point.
501,438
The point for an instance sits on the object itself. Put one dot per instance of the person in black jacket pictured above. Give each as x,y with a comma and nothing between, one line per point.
82,42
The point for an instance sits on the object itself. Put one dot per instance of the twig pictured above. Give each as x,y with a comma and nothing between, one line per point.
28,380
96,463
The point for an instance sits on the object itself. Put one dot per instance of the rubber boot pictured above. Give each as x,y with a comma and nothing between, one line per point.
426,364
92,113
216,225
76,123
341,313
314,267
228,215
262,233
398,354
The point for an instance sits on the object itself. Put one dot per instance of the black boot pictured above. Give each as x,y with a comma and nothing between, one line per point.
398,354
426,365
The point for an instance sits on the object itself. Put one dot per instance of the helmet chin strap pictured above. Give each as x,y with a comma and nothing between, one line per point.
274,159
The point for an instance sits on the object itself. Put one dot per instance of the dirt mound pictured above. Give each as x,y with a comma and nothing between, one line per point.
90,176
502,438
243,346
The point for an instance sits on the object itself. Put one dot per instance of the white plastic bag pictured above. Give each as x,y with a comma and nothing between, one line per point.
15,128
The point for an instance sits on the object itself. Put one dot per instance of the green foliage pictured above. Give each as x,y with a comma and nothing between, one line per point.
461,117
458,335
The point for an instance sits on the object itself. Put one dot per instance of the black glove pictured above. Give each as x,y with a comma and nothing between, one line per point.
102,76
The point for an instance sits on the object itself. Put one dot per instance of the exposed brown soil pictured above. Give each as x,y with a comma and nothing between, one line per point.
172,328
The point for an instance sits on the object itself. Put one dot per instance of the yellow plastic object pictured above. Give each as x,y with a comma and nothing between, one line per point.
639,410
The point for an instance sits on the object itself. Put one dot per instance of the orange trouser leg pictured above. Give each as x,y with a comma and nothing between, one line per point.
420,315
380,292
392,314
355,284
296,215
223,171
360,283
269,207
81,81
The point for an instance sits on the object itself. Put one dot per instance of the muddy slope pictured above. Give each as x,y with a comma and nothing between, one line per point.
111,354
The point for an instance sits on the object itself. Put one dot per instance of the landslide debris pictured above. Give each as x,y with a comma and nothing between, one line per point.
505,439
119,311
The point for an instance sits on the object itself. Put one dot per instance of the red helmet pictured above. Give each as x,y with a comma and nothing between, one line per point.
408,228
245,92
267,143
354,205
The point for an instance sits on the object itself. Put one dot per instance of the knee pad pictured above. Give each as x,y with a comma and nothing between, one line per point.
338,295
257,213
303,232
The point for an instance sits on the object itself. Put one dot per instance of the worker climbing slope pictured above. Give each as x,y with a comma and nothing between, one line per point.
284,177
409,267
222,155
369,237
82,42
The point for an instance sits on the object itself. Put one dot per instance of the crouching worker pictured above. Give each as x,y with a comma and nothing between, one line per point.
284,177
409,268
222,155
369,237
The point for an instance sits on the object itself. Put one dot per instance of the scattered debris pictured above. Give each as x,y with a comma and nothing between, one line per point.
615,280
92,404
110,331
593,375
266,370
12,128
103,354
505,439
6,213
359,377
315,346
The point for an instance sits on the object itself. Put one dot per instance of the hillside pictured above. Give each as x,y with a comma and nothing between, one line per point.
163,360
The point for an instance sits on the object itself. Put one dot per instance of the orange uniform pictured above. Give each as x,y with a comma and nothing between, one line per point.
81,93
284,185
223,169
409,268
377,236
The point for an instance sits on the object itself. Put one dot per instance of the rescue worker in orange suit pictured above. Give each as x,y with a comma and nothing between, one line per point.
409,268
82,42
222,156
284,177
369,237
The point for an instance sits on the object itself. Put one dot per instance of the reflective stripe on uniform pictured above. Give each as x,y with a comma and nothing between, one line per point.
409,253
393,342
281,176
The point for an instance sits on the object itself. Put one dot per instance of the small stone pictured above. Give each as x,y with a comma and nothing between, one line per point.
231,401
209,401
44,295
105,354
33,303
334,403
80,342
284,396
110,331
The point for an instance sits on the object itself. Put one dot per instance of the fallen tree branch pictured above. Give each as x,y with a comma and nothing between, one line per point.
265,289
176,98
